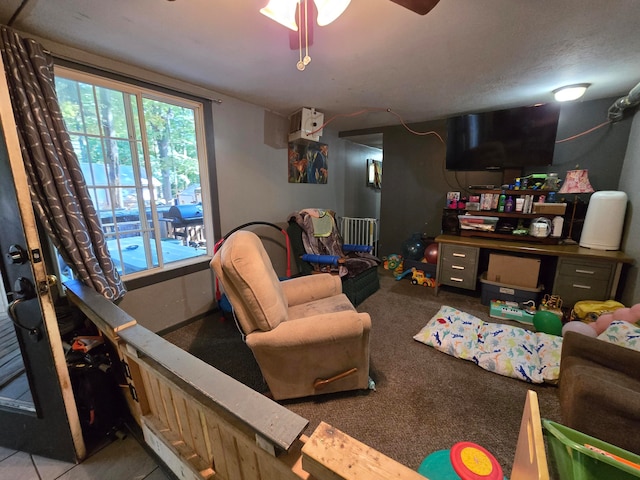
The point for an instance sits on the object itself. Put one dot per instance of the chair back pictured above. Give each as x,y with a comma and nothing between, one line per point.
250,282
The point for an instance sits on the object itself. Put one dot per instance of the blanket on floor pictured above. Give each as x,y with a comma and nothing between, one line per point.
533,357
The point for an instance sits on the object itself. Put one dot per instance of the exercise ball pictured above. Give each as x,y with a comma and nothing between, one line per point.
413,248
431,253
547,322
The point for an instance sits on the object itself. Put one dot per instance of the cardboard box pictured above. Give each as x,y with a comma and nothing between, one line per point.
512,270
550,208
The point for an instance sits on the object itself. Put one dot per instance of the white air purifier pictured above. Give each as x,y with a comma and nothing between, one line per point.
603,223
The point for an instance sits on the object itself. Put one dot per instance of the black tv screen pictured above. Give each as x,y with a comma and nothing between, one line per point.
512,138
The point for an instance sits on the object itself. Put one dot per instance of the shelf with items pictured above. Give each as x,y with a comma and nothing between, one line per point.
516,222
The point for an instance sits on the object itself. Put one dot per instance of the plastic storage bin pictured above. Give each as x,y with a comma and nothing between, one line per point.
478,222
509,293
569,459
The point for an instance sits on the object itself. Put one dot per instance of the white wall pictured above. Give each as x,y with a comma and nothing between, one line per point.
629,181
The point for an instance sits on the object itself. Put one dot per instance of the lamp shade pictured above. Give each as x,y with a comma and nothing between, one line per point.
283,12
329,10
576,181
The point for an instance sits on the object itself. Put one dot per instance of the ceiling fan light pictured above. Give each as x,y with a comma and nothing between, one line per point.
570,92
329,10
283,12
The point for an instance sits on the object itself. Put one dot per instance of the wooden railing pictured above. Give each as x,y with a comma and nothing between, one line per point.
204,424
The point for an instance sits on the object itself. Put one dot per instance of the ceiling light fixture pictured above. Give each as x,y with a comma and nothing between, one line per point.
570,92
284,12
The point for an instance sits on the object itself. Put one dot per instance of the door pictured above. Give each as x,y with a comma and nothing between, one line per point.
43,420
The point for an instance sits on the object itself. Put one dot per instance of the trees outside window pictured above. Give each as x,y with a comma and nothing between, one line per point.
143,157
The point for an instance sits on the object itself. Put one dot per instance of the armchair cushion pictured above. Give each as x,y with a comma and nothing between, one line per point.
257,286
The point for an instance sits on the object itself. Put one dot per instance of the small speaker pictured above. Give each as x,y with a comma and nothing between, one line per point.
450,223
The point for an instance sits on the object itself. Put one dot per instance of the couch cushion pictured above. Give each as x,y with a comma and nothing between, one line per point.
248,267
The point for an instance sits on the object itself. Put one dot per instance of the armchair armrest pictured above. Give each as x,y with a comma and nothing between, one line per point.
326,328
600,352
311,287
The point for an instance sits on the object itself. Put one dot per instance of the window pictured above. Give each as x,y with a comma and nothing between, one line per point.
142,153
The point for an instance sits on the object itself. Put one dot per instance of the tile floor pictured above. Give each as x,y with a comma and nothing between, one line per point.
122,459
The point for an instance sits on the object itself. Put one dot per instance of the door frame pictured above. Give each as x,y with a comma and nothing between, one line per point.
54,430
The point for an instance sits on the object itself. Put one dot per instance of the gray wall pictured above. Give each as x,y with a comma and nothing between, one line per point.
629,181
416,182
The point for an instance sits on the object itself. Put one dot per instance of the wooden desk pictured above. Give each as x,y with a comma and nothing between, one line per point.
567,255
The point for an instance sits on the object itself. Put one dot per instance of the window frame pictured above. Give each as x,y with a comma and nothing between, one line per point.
206,160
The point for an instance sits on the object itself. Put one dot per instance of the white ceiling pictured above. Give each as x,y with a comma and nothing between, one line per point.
465,55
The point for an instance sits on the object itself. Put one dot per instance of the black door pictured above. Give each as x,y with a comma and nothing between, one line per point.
43,420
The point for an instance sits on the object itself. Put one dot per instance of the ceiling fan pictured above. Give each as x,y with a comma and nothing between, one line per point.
284,12
421,7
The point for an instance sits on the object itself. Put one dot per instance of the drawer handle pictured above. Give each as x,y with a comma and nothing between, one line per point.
456,279
461,255
588,272
457,267
577,285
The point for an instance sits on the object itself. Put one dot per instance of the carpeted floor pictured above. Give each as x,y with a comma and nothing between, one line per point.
425,400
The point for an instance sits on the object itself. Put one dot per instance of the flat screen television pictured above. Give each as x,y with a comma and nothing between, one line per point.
512,138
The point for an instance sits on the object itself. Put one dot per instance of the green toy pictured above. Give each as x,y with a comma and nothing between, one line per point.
547,322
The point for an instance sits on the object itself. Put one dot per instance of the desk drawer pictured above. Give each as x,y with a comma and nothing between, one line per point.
457,254
583,280
595,270
458,266
459,276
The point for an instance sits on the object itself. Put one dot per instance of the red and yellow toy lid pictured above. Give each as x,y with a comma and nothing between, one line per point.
472,462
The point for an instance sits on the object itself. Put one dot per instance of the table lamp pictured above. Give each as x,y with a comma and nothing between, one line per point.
576,182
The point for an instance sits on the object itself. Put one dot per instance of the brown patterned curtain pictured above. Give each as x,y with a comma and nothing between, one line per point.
58,191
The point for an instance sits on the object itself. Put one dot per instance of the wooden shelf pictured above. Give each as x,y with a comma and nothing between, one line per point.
492,213
509,236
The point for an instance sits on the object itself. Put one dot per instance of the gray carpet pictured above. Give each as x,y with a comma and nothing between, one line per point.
425,400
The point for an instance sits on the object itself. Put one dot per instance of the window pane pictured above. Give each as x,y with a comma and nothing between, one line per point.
137,184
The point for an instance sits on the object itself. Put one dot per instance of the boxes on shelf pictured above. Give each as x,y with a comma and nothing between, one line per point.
509,311
550,208
478,222
512,270
510,293
571,459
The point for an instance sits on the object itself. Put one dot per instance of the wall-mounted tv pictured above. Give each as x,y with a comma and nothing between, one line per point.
512,138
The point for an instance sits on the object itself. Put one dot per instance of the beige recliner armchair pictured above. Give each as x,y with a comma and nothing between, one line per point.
304,332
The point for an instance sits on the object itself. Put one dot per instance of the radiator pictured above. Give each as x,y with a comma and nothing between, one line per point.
360,231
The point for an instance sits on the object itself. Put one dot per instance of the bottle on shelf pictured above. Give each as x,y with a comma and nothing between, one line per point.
508,205
501,202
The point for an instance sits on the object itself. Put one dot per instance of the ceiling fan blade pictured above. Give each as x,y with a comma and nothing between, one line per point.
421,7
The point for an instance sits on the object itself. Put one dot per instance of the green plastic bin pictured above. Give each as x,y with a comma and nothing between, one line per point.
569,459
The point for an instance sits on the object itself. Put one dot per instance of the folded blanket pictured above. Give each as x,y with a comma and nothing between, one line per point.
515,352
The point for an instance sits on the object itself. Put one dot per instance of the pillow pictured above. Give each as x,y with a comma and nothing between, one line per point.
549,349
509,351
452,332
622,333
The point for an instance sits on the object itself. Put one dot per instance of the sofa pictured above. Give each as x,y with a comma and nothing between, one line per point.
599,389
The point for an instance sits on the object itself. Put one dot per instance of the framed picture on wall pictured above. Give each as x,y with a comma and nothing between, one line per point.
374,173
308,162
